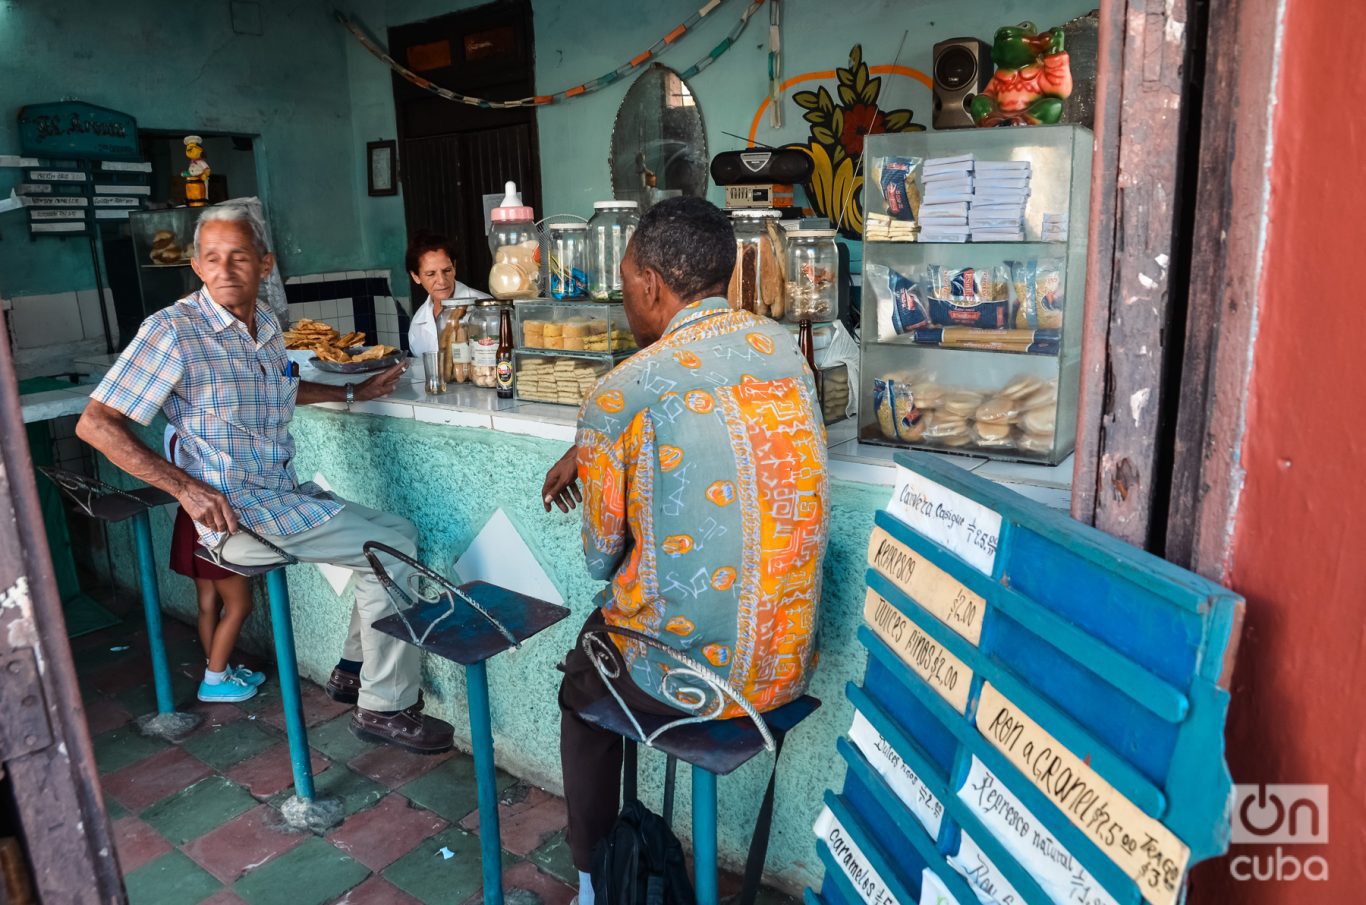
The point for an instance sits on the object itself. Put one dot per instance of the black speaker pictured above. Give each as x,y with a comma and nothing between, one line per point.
757,166
962,68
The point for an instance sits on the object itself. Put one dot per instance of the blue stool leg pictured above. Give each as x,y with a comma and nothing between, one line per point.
481,740
283,626
151,606
704,835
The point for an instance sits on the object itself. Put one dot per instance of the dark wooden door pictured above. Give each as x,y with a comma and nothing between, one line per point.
451,154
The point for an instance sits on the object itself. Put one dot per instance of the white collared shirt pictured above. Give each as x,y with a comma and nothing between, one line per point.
422,329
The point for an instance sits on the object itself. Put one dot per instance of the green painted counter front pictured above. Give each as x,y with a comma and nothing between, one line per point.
449,481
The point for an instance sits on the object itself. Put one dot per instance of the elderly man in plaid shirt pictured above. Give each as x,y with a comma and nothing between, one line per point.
215,363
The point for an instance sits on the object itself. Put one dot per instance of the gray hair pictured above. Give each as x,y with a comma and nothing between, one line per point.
234,212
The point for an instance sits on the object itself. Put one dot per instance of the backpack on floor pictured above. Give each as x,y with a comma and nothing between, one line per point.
639,862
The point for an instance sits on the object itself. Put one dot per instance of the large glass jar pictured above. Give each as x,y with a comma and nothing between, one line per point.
484,332
812,265
567,261
757,282
516,272
608,232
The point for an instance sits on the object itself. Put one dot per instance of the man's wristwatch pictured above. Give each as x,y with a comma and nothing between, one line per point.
350,395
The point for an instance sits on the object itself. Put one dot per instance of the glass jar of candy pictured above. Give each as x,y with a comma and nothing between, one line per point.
516,271
812,265
567,261
757,283
609,231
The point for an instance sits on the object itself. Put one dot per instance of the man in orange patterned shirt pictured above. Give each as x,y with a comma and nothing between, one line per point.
703,465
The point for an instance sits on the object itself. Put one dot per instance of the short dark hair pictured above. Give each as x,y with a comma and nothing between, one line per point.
690,243
423,242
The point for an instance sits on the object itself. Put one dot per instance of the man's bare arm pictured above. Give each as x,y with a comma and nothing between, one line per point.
106,429
382,384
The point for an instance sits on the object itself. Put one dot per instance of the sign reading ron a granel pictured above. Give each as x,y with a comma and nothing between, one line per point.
75,129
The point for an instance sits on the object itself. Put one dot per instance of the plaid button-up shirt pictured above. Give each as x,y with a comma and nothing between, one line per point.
230,401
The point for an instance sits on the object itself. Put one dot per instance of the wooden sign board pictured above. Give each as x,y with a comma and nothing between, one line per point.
1042,715
78,130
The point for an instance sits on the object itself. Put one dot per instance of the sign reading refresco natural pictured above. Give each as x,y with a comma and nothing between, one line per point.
75,129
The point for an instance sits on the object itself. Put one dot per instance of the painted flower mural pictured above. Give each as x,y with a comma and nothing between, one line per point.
835,145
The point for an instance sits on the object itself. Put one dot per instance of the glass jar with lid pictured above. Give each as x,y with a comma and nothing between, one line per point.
484,332
812,266
567,261
609,230
757,283
516,272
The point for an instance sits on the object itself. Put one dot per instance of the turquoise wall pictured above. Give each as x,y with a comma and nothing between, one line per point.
449,481
180,67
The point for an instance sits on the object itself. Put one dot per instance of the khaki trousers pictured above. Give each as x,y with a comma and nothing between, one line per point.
391,674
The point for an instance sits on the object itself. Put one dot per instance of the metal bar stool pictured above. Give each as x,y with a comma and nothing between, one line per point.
303,810
111,504
494,619
712,746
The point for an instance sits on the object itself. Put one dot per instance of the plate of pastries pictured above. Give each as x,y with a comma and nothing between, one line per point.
337,352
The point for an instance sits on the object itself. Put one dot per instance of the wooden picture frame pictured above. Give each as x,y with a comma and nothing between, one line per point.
381,167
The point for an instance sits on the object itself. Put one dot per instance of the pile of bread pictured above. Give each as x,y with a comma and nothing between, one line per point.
329,344
165,249
564,381
1021,415
576,334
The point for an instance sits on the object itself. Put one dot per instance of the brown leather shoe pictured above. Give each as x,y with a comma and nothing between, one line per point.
342,686
408,729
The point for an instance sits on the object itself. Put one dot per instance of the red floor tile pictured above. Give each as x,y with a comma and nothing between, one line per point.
137,843
214,715
118,677
103,714
392,767
226,897
270,771
152,779
318,707
242,844
525,875
526,824
379,836
376,891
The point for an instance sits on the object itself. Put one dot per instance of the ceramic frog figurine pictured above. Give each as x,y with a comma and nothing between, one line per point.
1033,76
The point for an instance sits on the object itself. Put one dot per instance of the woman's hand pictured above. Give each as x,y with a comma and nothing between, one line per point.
561,485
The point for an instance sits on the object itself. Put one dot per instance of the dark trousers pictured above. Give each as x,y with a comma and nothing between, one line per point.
591,757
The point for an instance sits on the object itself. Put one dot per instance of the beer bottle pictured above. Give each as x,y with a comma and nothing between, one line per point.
806,343
504,353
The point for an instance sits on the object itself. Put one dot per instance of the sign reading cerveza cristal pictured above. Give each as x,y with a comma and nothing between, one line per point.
75,129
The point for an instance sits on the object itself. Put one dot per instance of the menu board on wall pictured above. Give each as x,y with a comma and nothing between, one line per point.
80,164
1042,715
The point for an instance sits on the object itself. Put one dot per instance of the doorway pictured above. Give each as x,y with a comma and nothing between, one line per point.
451,155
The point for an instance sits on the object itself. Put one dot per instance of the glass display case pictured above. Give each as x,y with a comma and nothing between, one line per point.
559,378
571,326
163,242
975,346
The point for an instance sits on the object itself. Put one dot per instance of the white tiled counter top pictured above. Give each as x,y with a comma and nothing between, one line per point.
465,405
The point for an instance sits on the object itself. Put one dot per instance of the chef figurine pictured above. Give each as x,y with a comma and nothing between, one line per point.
197,175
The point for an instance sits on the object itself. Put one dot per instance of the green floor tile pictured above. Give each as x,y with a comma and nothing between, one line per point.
450,789
143,699
334,738
312,873
427,875
122,747
355,791
172,879
554,858
204,806
231,743
114,809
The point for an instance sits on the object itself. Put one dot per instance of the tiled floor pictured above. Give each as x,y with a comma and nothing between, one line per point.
198,821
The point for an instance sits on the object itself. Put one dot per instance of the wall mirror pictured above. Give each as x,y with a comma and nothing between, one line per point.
659,148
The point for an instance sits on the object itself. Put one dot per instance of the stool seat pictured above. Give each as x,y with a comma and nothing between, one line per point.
202,552
117,507
717,746
464,636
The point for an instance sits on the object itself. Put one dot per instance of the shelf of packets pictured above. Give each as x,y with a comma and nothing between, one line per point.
559,378
974,268
1042,715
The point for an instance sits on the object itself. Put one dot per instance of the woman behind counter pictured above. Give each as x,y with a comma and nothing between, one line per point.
431,263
